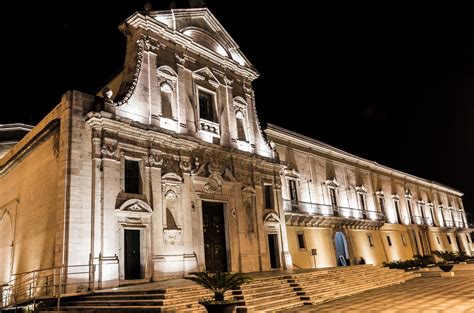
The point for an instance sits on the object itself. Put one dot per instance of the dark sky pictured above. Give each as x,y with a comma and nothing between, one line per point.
390,84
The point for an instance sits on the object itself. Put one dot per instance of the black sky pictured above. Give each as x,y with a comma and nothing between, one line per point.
390,84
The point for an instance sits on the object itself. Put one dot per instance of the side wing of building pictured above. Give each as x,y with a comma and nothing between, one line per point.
343,205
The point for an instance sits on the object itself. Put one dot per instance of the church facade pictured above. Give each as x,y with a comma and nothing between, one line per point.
167,171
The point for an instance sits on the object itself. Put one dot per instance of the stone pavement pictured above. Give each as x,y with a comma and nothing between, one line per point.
427,294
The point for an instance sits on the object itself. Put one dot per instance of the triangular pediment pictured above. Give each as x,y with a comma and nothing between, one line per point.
206,74
203,28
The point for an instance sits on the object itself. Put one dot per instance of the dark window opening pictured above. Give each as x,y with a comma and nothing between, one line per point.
206,106
332,192
241,130
404,241
382,205
132,177
293,195
410,212
437,239
449,239
397,210
389,240
362,201
268,193
371,240
301,243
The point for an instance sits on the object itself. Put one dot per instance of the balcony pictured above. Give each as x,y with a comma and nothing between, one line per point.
322,215
421,220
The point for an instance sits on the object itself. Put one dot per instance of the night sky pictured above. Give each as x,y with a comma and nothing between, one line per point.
390,84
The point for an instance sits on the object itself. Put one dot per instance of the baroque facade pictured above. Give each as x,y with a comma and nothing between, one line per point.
167,171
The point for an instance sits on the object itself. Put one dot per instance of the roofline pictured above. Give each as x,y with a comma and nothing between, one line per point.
140,20
15,126
282,133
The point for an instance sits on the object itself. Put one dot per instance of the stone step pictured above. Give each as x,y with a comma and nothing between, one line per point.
114,303
104,309
125,296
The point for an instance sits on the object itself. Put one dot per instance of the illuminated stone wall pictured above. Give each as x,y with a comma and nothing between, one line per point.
31,197
336,191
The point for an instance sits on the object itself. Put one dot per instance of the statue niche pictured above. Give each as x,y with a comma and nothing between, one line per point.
172,212
172,215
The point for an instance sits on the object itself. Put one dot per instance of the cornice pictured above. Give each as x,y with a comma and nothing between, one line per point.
284,135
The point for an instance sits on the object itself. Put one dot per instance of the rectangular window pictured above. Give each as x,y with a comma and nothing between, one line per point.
371,240
467,238
268,194
132,177
437,239
449,239
362,201
389,241
397,210
382,205
301,243
332,193
206,106
293,193
412,219
432,216
404,240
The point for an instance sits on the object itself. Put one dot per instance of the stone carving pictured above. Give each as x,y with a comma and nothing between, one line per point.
155,159
228,81
170,165
185,166
150,46
181,60
108,150
172,236
215,168
133,84
134,209
248,90
212,186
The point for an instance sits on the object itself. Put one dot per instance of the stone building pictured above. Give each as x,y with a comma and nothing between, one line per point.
167,171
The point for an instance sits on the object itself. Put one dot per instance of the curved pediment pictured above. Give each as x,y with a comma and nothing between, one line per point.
201,37
172,177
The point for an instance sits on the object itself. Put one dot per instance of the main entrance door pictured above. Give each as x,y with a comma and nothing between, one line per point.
132,254
214,236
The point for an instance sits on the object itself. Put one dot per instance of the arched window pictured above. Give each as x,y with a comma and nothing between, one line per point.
240,119
166,100
167,80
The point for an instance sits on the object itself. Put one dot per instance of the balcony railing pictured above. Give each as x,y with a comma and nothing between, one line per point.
329,210
421,220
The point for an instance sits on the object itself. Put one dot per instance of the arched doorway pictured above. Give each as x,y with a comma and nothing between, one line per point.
6,240
342,253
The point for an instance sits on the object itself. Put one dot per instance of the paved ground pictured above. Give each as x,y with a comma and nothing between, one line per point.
427,294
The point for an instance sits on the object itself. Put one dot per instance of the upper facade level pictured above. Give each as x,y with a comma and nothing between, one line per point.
10,134
184,74
322,181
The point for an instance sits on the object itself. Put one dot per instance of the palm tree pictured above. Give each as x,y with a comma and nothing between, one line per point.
219,282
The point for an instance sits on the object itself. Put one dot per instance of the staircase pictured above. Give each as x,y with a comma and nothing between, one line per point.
267,292
179,299
313,287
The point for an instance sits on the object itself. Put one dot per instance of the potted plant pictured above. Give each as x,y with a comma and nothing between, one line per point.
219,283
447,258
